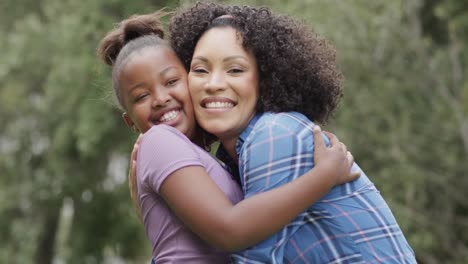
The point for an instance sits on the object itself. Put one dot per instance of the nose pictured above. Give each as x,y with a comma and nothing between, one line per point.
216,82
161,98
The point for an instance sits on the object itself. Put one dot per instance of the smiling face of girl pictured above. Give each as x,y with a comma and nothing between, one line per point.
153,85
223,82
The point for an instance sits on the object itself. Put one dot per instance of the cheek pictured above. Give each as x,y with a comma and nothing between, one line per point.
253,92
194,85
140,115
186,101
124,100
189,109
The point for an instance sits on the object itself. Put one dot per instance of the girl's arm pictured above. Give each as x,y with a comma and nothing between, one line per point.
203,207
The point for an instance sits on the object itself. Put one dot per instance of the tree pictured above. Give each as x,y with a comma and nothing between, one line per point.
60,136
64,150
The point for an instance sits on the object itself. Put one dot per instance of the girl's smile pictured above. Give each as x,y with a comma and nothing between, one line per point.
156,93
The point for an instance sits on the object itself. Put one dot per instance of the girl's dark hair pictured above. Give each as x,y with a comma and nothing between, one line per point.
297,68
129,36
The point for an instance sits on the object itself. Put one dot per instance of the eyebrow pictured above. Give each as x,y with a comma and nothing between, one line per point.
168,68
224,60
133,87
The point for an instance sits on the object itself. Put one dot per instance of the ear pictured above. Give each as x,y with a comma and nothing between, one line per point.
128,121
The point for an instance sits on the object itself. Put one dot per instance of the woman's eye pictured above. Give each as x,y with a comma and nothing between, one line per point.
199,70
235,70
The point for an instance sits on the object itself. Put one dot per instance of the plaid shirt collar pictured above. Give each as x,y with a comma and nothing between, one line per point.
222,154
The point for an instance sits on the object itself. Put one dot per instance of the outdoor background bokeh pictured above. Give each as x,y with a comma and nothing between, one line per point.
64,149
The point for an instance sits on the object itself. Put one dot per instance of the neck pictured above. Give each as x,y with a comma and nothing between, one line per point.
230,147
197,138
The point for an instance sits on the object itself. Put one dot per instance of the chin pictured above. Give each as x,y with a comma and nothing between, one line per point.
217,131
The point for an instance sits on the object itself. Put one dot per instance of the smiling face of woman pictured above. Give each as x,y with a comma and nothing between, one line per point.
223,82
153,84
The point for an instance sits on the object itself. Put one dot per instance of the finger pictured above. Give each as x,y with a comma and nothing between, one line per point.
318,139
133,165
136,146
343,147
333,139
139,139
134,152
350,159
131,172
354,174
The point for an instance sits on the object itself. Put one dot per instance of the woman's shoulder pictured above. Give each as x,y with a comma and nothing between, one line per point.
271,127
288,121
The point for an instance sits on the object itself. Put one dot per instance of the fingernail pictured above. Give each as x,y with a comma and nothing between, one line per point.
317,127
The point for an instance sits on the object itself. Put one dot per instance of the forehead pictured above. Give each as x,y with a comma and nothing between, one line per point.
150,61
219,40
155,58
158,55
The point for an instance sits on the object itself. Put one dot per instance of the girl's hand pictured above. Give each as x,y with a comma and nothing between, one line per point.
336,159
133,158
132,181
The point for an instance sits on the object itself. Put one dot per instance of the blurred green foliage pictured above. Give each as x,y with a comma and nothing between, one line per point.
64,149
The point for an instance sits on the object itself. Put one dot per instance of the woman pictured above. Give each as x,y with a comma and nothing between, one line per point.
182,191
257,80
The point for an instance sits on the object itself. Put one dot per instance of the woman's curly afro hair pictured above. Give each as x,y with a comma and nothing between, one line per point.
297,68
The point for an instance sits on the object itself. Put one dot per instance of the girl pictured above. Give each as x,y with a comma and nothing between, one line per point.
257,80
181,188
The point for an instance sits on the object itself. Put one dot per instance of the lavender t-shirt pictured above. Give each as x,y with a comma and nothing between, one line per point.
163,150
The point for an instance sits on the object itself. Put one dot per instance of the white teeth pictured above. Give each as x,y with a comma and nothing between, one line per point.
169,116
219,105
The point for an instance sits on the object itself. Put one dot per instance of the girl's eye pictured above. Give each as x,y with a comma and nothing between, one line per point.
140,97
172,82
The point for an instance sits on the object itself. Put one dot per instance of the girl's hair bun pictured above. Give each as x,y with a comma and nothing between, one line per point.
129,29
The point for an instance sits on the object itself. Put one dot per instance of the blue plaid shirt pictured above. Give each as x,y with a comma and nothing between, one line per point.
350,224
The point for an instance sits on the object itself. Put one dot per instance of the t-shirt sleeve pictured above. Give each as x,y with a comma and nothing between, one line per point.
163,150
